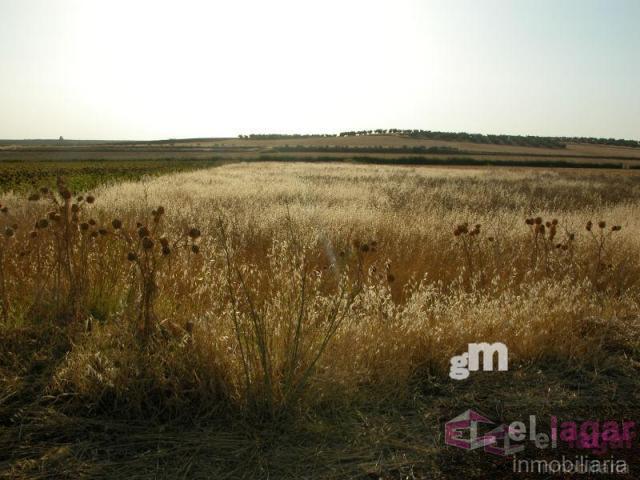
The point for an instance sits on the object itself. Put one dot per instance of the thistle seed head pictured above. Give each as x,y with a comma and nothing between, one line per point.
194,233
147,243
461,229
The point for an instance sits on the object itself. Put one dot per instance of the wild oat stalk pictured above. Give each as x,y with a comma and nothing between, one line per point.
279,351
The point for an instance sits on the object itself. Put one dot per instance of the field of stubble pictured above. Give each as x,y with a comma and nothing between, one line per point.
296,320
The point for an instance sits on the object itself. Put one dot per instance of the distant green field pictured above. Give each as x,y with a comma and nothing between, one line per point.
81,176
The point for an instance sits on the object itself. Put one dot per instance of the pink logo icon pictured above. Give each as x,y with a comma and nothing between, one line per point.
462,431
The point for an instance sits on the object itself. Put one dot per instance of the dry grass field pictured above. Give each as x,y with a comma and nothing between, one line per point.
296,320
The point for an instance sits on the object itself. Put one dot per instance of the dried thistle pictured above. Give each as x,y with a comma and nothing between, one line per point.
147,243
194,233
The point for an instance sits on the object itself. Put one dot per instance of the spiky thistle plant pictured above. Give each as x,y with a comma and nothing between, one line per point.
469,239
72,235
7,241
149,249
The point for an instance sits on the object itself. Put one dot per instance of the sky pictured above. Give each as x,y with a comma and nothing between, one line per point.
152,69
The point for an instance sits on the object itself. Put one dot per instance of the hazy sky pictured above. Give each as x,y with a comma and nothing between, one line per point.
186,68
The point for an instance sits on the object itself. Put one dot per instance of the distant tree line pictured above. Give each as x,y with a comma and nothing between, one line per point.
282,136
620,142
366,149
519,140
513,140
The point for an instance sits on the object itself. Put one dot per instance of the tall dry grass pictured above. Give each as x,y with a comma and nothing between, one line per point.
271,288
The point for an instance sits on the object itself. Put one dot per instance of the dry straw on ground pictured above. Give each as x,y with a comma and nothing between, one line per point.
307,284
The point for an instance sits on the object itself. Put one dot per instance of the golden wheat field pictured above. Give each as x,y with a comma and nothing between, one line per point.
271,291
